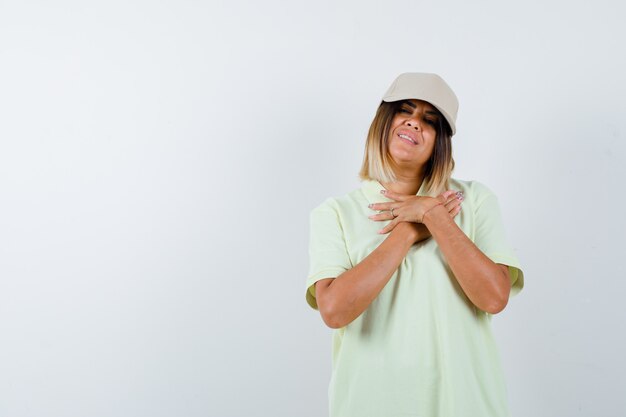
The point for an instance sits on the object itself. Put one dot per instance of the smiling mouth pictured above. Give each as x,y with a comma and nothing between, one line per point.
403,136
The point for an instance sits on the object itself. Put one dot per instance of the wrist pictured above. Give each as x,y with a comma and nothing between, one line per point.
429,210
407,231
434,213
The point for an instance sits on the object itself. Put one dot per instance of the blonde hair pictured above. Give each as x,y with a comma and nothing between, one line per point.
379,165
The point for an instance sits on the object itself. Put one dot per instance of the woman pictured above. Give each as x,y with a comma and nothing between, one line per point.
409,268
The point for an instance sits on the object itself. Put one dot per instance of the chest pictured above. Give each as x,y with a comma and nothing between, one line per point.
362,237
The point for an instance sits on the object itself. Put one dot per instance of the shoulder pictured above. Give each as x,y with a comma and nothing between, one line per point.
342,203
328,203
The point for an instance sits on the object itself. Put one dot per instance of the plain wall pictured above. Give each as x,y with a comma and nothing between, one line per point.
159,161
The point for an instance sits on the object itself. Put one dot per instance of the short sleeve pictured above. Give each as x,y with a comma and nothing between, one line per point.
328,254
490,237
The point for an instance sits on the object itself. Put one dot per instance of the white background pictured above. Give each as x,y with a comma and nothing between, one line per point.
159,161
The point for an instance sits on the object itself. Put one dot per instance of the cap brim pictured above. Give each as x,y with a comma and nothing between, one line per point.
445,114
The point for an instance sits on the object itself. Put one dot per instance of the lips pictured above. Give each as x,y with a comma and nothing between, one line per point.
408,137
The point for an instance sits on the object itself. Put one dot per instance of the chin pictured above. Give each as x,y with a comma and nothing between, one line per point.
402,153
404,157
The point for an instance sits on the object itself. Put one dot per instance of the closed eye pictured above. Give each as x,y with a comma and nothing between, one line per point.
429,121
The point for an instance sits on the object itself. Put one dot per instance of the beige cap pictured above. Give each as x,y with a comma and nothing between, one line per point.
428,87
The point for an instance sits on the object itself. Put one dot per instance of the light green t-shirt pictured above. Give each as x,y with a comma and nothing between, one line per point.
421,348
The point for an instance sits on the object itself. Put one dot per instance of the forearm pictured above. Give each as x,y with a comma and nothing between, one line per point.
479,277
354,290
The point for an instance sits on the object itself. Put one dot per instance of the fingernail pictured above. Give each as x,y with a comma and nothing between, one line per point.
383,191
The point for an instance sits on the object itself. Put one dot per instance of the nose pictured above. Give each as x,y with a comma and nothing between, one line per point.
413,123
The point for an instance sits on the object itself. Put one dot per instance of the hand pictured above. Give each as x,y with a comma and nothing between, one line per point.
411,209
422,232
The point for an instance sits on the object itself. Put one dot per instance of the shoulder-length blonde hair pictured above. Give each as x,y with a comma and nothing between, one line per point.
379,165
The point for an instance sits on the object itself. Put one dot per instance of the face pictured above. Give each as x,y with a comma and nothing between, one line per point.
415,120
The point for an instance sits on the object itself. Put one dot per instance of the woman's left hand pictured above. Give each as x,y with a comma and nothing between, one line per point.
406,208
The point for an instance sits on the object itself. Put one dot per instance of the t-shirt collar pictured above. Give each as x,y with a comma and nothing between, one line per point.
372,188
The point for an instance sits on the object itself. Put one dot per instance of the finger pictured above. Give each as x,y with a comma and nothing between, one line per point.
451,195
389,227
455,211
451,205
386,215
396,196
447,193
445,196
454,202
383,206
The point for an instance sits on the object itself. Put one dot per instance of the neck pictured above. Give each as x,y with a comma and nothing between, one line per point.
405,183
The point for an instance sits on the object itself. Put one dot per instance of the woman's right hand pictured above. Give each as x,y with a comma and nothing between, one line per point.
453,204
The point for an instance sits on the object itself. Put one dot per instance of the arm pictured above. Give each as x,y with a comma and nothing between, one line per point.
343,299
485,283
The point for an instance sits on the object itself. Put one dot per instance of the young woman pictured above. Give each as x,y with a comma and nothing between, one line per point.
409,268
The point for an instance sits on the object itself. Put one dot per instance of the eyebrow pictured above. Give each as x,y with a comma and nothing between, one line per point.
414,106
